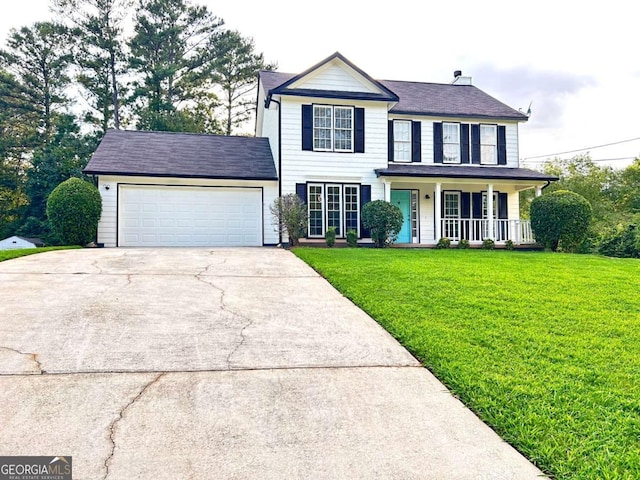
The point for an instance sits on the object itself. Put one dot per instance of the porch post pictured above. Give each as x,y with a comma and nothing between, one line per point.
437,202
491,229
387,191
538,191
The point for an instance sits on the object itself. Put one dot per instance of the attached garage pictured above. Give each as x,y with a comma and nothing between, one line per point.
178,216
163,189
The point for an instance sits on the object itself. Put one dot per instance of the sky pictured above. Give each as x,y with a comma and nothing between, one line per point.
577,63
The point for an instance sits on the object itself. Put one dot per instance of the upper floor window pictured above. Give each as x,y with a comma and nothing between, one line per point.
402,140
488,144
332,128
451,142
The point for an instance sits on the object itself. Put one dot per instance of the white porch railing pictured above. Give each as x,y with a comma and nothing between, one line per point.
476,230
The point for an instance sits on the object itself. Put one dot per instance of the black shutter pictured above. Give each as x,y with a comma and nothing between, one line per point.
365,197
390,140
502,145
476,202
464,143
465,199
441,204
307,127
416,141
301,191
502,206
475,144
359,130
437,143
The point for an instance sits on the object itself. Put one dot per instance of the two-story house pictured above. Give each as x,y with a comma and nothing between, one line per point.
445,154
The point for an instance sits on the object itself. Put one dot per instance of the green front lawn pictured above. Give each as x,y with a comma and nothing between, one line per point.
544,347
21,252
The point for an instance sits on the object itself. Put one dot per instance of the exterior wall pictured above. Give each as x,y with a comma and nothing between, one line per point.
108,225
14,243
300,166
511,131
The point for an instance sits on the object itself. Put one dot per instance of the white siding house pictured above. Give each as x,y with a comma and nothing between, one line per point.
446,154
15,242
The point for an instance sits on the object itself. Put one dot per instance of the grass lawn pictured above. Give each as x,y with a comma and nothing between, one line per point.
21,252
544,347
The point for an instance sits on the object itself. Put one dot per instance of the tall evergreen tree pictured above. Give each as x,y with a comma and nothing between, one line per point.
172,53
236,73
38,59
100,56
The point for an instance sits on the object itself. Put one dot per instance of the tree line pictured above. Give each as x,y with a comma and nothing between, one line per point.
65,82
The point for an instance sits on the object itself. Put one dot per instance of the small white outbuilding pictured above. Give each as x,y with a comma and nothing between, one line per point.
16,242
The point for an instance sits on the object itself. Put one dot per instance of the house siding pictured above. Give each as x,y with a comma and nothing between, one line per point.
300,166
335,77
108,224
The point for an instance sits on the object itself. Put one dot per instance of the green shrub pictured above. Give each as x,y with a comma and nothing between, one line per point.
560,220
289,214
622,242
488,244
74,209
384,220
444,242
330,236
352,238
463,244
509,245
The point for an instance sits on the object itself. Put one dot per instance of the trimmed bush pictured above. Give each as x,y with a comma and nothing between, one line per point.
560,220
289,214
330,236
74,209
352,238
509,245
463,244
488,244
384,220
444,242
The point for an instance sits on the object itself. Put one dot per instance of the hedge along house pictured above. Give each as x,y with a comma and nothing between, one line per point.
445,154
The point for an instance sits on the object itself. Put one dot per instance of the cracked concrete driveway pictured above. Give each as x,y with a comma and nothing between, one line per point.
220,363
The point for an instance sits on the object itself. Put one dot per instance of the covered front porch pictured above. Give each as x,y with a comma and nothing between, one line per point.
450,203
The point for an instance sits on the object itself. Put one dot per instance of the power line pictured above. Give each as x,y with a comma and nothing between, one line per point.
582,149
593,159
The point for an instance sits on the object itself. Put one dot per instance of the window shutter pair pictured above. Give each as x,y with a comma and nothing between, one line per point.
416,141
469,152
307,128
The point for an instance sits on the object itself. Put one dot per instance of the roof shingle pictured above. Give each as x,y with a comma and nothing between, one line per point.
167,154
462,171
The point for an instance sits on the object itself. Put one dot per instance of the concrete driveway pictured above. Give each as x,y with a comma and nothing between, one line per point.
220,363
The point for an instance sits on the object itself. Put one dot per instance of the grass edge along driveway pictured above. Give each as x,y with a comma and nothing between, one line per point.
23,252
544,347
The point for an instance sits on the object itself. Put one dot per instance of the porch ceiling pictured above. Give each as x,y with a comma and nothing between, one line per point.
462,171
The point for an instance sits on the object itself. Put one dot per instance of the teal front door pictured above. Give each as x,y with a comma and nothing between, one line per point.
402,200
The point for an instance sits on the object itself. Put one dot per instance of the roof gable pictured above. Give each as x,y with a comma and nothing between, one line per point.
334,77
188,155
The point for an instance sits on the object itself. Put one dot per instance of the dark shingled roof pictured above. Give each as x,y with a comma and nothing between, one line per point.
166,154
462,171
417,98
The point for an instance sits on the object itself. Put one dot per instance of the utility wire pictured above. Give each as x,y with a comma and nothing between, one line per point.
582,149
592,159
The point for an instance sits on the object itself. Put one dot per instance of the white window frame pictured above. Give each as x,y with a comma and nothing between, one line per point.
325,108
344,207
484,147
397,142
415,217
333,128
444,203
458,157
340,210
322,202
485,210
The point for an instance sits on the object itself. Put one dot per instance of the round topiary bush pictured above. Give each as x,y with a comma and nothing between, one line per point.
74,209
560,219
384,220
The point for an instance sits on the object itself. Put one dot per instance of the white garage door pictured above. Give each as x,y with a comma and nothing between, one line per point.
171,216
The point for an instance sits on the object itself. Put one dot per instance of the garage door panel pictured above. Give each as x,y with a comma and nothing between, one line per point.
184,216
